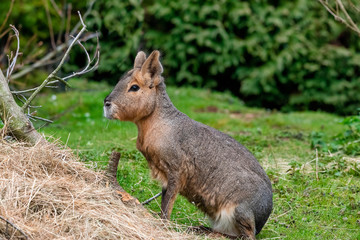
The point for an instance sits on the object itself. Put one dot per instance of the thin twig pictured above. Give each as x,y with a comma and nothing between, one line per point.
53,74
19,97
46,59
151,199
7,44
352,24
4,33
317,165
14,226
42,62
62,80
7,15
33,89
90,61
40,118
283,214
273,238
34,51
336,14
86,52
57,9
67,26
88,11
13,61
51,30
62,25
353,6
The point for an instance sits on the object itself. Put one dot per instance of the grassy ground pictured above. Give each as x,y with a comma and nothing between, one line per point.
308,203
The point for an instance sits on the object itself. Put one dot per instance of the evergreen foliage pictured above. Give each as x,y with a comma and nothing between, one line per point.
288,55
120,24
276,54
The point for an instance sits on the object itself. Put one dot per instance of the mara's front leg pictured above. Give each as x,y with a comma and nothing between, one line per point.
168,197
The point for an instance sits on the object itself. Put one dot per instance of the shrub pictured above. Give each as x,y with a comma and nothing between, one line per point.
120,24
277,54
288,55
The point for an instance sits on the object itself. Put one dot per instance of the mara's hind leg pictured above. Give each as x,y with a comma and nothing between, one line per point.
244,222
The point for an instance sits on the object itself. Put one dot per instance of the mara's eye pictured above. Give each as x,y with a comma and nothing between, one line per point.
134,88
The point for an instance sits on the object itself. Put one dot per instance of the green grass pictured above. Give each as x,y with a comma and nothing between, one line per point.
304,207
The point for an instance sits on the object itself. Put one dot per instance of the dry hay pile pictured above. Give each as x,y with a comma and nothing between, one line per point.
45,193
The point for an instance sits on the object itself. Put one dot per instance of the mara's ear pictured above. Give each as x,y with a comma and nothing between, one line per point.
139,60
152,65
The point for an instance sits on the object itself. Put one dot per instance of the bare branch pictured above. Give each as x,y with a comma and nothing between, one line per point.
341,10
34,52
68,18
53,75
14,227
349,19
42,62
57,9
39,118
353,6
46,59
63,23
62,80
33,89
88,11
21,98
317,166
7,44
7,15
5,32
51,31
96,58
14,58
86,52
151,199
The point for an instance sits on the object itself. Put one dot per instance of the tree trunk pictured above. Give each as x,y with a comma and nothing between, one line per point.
15,121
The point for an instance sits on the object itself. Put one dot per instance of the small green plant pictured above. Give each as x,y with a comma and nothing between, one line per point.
294,170
317,141
348,141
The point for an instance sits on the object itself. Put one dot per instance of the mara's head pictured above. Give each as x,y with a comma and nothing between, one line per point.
134,96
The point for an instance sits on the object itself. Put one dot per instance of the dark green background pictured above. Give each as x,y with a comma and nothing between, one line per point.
288,55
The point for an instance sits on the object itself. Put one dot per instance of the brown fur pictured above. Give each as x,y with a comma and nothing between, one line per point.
206,166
